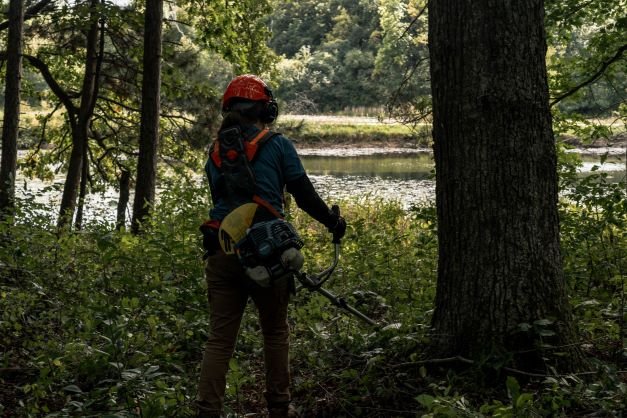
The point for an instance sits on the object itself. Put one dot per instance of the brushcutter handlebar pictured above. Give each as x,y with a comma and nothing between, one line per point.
314,282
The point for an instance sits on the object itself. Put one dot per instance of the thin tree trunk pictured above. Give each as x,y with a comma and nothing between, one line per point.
125,187
500,282
80,128
11,123
78,224
149,127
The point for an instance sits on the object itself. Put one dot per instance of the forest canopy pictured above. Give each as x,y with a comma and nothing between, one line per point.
336,55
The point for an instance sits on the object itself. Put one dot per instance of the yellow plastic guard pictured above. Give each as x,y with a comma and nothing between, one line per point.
234,225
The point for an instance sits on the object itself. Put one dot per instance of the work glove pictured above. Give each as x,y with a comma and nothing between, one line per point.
339,230
336,224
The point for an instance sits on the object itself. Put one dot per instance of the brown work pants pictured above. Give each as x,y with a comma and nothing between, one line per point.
228,292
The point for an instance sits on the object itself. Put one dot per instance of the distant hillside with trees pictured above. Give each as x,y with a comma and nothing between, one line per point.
339,54
345,54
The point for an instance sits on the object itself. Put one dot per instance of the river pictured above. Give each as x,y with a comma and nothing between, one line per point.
402,175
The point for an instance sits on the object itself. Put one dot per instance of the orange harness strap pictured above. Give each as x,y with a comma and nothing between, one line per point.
215,154
261,202
250,148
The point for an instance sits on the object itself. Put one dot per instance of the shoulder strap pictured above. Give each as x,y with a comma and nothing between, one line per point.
251,146
255,144
214,153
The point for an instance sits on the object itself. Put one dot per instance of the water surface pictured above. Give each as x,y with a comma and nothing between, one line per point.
403,175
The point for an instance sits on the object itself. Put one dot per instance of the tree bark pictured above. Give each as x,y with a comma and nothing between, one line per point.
78,223
80,128
149,125
11,123
499,264
125,186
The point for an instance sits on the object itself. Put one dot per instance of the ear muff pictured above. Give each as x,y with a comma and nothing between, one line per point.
270,112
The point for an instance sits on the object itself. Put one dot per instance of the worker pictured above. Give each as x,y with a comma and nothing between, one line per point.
248,169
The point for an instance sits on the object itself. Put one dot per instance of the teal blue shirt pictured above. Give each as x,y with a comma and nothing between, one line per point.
276,163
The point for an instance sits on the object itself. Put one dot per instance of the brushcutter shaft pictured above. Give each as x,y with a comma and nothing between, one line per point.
341,303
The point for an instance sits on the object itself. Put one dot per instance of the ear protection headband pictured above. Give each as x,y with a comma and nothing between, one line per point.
270,110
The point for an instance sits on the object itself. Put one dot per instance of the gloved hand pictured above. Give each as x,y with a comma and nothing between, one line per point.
337,227
340,229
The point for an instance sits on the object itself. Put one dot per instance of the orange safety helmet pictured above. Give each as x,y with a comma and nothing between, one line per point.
249,87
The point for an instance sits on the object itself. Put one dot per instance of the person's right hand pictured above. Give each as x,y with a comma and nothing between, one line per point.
337,225
210,241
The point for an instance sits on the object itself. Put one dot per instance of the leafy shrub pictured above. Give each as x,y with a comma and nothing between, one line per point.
104,323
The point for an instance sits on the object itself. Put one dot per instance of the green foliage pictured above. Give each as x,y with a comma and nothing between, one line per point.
339,54
594,246
585,37
235,30
102,322
189,102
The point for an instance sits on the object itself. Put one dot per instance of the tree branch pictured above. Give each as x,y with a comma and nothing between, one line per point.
464,360
594,77
52,83
420,13
29,13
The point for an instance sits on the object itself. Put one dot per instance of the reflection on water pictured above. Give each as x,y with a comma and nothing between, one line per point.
406,177
403,177
403,166
408,192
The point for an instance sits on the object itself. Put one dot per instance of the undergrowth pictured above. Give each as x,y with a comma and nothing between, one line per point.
102,323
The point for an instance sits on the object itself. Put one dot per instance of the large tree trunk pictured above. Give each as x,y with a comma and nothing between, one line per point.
11,123
149,126
80,128
496,181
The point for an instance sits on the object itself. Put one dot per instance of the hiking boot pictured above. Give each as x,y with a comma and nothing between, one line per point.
203,411
204,414
283,412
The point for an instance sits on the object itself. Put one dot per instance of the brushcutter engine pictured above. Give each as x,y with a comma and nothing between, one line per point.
269,251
